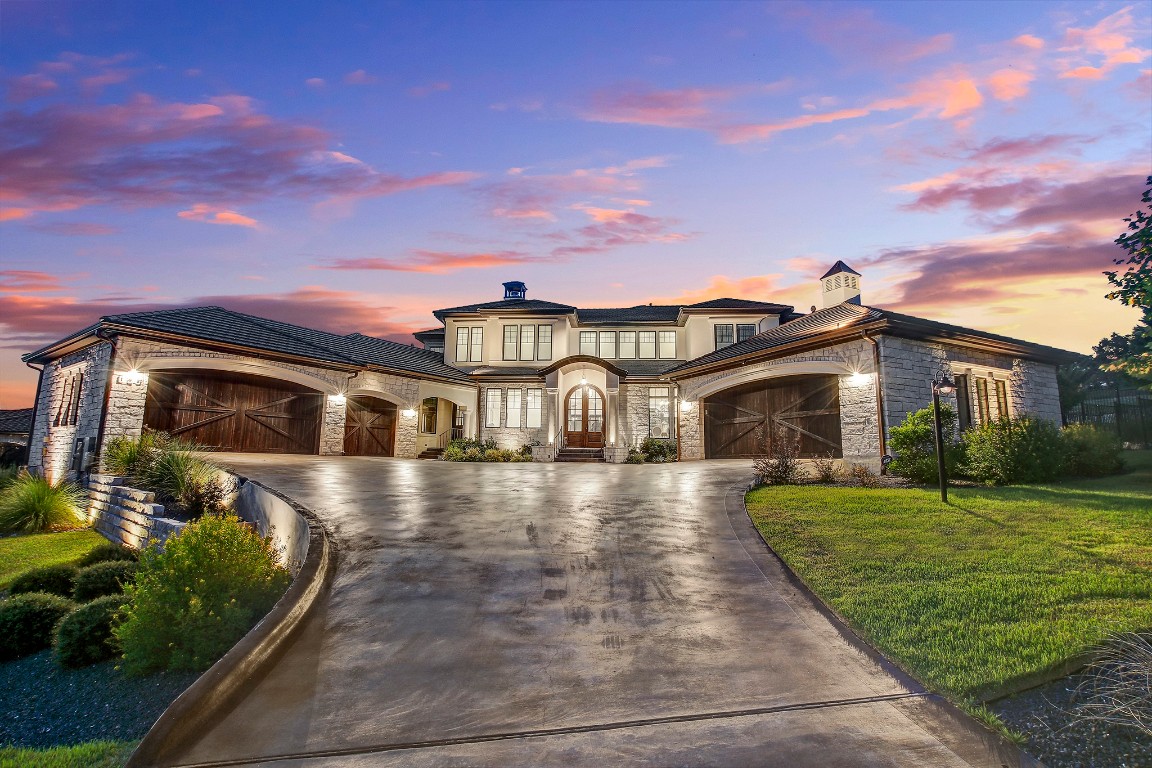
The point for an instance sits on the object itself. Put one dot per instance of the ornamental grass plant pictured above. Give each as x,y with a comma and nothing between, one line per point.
31,503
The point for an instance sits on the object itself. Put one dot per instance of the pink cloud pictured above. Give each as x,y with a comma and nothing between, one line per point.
1029,41
853,32
315,82
433,262
29,281
421,91
146,152
359,77
210,214
624,229
1009,84
27,87
1000,150
678,108
75,228
1093,53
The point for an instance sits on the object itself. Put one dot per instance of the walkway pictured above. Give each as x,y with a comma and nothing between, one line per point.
566,615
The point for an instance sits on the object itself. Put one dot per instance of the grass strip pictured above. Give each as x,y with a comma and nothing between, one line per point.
980,596
21,552
92,754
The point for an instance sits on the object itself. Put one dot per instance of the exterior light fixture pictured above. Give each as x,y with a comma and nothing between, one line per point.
685,406
583,379
857,379
130,377
941,385
337,399
408,412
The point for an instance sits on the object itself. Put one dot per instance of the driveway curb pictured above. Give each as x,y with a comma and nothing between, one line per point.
933,710
238,671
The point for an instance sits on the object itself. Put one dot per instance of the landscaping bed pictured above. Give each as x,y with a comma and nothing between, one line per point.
985,595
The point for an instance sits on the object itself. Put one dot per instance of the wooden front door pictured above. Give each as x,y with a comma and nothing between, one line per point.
584,418
745,421
369,427
235,412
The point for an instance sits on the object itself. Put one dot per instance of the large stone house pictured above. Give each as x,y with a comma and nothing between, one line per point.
719,377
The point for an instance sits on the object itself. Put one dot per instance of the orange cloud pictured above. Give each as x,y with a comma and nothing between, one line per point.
210,214
1009,84
1096,51
432,262
1029,41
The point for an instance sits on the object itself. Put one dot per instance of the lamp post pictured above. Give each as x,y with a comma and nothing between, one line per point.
941,385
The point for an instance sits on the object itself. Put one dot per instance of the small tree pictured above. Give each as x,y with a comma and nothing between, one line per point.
1133,287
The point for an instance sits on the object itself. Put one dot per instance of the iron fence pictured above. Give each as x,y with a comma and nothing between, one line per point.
1127,412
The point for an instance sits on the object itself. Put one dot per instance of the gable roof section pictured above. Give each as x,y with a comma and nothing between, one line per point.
643,313
236,329
518,306
767,307
843,321
839,267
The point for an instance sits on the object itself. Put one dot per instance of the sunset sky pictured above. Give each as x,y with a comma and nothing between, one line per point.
353,166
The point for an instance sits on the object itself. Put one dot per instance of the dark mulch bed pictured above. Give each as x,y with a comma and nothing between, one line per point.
1061,740
44,705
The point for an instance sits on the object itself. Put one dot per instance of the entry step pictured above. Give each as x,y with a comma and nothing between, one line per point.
585,455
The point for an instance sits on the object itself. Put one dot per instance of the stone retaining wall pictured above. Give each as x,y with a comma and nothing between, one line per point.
126,515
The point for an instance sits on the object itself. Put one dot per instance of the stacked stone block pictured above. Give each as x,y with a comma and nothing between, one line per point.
126,515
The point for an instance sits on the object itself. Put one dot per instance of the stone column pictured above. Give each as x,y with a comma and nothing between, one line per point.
126,399
332,427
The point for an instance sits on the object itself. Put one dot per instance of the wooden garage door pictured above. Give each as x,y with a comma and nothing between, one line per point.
789,408
235,412
369,427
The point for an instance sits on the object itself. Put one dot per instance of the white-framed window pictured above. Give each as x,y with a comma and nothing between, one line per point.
514,397
608,344
477,345
492,407
659,411
667,345
511,334
527,341
588,343
745,331
461,345
646,341
627,349
428,416
725,335
544,347
535,400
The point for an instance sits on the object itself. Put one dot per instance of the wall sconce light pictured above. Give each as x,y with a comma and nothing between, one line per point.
337,399
685,405
130,377
858,379
408,412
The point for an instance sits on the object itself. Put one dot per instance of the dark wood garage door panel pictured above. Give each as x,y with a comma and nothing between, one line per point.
806,408
369,427
235,412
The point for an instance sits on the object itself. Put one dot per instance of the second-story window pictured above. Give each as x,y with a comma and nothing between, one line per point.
667,345
544,350
745,331
511,334
724,335
647,344
469,345
627,348
588,343
608,344
461,345
477,345
527,341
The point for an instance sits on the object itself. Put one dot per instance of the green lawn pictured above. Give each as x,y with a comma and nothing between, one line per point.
978,595
19,553
94,754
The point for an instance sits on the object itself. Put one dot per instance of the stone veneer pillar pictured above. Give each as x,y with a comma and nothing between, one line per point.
332,428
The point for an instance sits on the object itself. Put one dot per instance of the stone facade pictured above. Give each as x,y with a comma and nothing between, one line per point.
64,416
513,438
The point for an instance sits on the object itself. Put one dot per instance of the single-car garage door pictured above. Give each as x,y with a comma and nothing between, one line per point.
235,412
744,421
369,427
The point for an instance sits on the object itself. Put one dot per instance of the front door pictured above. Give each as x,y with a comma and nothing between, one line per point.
584,418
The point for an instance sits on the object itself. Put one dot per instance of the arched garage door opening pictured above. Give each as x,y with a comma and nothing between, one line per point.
803,408
235,411
369,427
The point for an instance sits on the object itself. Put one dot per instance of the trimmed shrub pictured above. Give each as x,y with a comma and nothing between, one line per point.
84,635
31,503
105,553
52,579
657,450
914,445
27,621
634,456
193,600
1091,452
475,450
103,579
1008,451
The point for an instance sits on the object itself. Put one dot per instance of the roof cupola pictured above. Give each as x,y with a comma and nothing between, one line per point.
515,291
840,285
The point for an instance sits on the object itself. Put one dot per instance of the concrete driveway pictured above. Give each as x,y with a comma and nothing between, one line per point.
566,615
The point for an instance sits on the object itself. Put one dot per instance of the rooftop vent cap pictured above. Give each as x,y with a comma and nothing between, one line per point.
515,290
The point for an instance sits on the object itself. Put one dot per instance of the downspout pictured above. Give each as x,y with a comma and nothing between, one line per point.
113,341
676,413
35,412
879,396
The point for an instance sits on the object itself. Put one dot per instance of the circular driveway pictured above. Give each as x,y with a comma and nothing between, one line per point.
566,615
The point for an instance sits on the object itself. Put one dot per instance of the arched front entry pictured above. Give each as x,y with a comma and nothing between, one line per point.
584,417
232,411
746,420
369,426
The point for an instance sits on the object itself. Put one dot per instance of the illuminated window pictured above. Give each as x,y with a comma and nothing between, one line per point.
513,405
647,343
527,341
588,343
667,345
659,411
477,345
627,348
511,334
544,350
461,345
428,416
608,344
535,400
492,408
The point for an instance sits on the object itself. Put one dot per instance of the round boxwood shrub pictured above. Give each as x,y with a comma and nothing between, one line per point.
102,579
84,636
27,621
53,579
107,552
